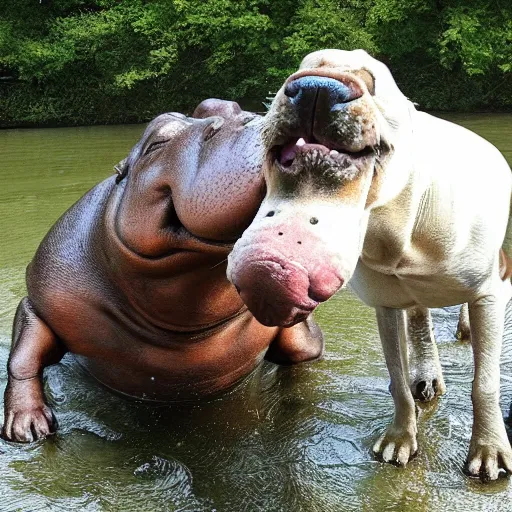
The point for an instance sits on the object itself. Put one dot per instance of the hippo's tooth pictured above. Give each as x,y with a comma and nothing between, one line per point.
300,142
334,153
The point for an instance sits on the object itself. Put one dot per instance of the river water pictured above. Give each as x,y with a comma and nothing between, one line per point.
286,439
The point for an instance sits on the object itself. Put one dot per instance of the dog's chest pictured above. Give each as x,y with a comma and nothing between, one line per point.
433,257
417,279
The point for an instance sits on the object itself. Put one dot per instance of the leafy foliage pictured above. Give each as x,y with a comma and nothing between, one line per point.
102,61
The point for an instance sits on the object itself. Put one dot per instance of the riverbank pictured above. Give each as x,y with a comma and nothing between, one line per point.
445,114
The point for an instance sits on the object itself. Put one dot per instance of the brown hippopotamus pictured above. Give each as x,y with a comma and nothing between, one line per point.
132,278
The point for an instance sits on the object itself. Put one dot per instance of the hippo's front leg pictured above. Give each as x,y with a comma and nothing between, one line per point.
35,346
301,343
490,450
398,444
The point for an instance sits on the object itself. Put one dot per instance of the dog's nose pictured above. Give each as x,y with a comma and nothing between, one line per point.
307,90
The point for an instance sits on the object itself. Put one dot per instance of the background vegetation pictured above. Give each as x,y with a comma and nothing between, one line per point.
106,61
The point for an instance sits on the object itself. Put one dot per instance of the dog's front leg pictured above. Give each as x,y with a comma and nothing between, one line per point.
426,375
398,444
489,450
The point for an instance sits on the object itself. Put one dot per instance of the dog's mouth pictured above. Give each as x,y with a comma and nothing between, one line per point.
299,148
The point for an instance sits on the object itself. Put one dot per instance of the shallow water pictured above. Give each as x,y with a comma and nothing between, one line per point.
286,439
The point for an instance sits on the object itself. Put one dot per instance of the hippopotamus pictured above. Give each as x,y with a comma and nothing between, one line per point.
412,210
132,278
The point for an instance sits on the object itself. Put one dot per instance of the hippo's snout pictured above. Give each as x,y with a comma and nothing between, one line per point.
276,293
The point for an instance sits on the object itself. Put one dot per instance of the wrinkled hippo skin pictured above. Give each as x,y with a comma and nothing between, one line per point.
132,279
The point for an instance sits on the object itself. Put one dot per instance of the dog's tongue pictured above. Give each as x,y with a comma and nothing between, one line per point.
289,152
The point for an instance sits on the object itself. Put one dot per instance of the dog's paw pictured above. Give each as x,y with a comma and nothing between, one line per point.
396,446
426,388
488,461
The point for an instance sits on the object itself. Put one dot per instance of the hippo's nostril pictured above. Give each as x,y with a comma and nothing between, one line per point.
270,213
313,220
280,233
299,242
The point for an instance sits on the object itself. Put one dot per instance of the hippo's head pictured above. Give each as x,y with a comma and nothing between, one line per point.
330,139
195,180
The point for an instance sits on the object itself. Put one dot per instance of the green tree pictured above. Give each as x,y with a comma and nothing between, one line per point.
102,61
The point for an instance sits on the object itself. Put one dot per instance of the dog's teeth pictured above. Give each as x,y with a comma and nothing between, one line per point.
334,153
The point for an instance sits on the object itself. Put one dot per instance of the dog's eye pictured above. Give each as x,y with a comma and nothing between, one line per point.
367,78
157,144
213,128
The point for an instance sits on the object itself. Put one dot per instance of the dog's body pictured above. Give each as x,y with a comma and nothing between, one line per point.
448,252
453,214
411,209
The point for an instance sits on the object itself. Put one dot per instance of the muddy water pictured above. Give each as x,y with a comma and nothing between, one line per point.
287,439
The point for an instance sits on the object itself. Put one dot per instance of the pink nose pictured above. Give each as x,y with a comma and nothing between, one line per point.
323,283
280,280
276,292
284,269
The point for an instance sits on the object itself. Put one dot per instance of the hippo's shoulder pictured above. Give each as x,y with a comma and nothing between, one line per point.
66,254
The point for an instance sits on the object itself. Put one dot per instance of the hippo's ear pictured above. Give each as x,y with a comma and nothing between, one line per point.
121,169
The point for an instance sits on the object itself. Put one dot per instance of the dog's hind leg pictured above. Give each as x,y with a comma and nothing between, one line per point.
463,329
426,376
490,451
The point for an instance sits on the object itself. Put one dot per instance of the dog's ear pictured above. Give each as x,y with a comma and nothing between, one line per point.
121,169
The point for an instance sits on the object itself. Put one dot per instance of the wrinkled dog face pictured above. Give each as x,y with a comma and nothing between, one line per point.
333,121
330,138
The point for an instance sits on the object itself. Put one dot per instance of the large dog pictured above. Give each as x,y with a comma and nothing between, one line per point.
411,209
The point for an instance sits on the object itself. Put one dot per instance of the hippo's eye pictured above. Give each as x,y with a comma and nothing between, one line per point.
155,145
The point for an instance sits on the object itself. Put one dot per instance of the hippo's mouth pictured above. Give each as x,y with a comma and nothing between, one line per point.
297,151
228,244
291,293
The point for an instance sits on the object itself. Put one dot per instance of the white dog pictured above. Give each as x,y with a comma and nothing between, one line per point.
413,210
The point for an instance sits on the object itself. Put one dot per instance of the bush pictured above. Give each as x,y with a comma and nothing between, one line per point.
111,61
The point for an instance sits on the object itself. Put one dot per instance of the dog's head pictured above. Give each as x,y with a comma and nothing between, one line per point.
333,139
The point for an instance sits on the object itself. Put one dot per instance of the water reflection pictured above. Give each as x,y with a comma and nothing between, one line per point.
286,439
